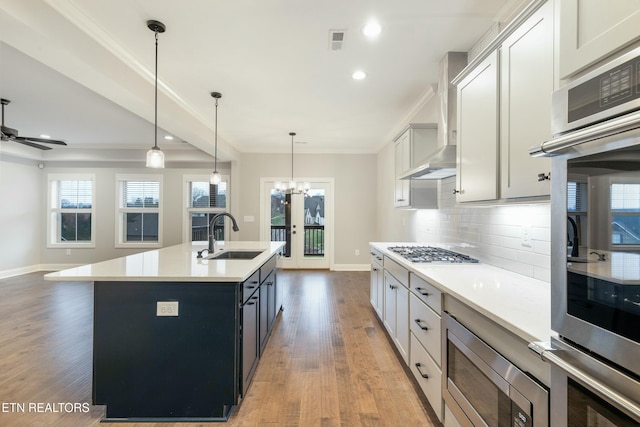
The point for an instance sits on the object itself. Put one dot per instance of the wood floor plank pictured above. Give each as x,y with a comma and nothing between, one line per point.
328,361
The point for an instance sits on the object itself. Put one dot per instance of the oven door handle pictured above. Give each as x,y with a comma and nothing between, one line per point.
610,127
550,355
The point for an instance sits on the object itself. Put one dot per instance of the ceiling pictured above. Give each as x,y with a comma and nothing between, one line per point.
83,71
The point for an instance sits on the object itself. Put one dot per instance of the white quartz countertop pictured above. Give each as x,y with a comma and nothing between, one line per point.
174,264
618,267
516,302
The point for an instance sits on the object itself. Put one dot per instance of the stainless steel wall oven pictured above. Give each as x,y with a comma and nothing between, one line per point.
595,247
482,388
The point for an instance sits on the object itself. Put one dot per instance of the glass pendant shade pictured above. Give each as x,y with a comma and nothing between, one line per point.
215,178
155,158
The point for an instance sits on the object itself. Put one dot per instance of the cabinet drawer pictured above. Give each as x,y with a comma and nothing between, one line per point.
267,268
427,374
250,285
397,271
426,292
425,325
376,257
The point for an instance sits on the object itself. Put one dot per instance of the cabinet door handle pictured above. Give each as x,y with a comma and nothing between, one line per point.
392,287
269,283
424,294
250,303
456,191
375,269
419,323
400,200
422,374
544,176
250,287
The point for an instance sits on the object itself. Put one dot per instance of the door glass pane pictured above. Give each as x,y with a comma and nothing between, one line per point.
314,223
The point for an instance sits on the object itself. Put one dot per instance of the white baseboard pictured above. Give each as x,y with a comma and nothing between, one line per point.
4,274
351,267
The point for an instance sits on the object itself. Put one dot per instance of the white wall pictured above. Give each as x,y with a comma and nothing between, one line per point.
173,210
20,213
354,199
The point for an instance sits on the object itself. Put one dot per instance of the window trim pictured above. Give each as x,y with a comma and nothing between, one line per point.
187,211
120,211
53,242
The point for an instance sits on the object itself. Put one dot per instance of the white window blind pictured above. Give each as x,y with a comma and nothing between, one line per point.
140,194
73,194
576,196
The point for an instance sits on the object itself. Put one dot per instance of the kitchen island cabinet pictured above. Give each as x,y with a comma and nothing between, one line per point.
176,337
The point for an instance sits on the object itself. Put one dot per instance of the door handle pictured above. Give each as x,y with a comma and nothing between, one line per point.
422,374
419,323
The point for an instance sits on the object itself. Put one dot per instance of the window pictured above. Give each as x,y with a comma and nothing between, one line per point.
203,201
139,218
625,214
71,210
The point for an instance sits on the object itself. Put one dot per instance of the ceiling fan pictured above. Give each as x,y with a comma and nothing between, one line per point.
9,134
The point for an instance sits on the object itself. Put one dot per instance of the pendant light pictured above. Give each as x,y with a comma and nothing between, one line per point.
155,156
292,187
215,177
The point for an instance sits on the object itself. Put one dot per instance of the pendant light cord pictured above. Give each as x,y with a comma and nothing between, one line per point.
215,151
155,141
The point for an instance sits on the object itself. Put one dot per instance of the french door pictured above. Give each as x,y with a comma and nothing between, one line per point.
303,220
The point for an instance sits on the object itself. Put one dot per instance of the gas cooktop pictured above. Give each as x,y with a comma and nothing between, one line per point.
431,254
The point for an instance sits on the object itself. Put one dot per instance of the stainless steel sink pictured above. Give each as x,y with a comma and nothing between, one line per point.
243,255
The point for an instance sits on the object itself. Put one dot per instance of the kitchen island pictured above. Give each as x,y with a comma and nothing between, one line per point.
177,337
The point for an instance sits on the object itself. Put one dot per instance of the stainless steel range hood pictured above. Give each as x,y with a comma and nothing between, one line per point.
442,162
437,165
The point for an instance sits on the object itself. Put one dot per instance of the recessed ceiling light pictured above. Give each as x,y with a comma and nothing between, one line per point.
168,137
45,136
372,29
359,75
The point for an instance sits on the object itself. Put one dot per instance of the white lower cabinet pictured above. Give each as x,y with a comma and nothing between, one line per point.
428,374
402,322
396,313
409,308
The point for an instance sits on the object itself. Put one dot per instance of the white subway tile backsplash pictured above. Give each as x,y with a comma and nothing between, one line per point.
491,234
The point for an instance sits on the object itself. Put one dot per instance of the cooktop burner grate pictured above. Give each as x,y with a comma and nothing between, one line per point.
431,254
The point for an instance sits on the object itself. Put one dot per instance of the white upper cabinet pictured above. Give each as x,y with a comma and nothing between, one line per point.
477,151
504,108
411,146
526,86
592,29
402,152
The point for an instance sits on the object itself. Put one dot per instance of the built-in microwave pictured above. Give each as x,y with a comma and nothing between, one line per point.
482,388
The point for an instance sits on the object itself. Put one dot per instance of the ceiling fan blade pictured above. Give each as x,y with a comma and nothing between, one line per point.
31,144
43,140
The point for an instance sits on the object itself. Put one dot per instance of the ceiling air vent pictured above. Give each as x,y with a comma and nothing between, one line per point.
336,39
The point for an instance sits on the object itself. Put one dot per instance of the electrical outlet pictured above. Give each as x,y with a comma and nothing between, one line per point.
167,308
525,236
357,251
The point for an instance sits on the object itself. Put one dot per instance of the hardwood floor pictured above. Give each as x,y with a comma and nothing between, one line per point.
328,361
